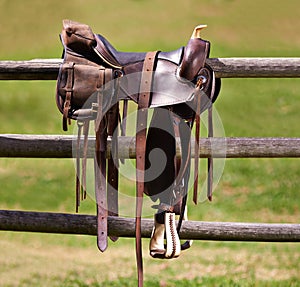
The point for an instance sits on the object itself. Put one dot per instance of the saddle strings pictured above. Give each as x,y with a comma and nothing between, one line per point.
210,165
197,138
78,185
197,141
86,127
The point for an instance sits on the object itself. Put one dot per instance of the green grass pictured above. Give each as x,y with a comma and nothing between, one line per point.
252,190
65,260
205,281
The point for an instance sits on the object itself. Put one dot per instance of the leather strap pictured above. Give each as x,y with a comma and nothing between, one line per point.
182,171
69,92
100,187
141,131
100,173
113,158
86,127
123,122
193,60
112,164
210,163
197,137
78,184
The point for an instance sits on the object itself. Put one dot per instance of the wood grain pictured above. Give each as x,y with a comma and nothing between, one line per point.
125,227
47,69
58,146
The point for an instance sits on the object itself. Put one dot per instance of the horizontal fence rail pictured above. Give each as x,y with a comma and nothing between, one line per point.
125,227
47,69
57,146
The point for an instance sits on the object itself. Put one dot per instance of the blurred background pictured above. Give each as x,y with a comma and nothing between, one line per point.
251,190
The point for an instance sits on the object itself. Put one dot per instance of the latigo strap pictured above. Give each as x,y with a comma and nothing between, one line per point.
141,132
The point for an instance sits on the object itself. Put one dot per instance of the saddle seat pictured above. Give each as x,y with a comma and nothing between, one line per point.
168,87
125,58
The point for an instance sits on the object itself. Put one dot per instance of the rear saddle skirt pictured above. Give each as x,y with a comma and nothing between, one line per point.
93,78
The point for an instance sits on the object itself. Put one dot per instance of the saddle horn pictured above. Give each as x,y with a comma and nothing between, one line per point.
195,54
197,30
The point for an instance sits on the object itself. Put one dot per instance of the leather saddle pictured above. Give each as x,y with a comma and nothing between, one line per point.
178,85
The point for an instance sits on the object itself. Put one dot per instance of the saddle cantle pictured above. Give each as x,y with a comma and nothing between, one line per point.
93,78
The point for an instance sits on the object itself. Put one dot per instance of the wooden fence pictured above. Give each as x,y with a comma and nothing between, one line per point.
37,146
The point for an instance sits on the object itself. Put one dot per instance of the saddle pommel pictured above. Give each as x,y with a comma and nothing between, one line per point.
197,30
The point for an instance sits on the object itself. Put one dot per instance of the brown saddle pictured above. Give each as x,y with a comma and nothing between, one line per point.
178,85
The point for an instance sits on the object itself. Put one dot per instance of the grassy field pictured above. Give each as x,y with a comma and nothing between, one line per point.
251,190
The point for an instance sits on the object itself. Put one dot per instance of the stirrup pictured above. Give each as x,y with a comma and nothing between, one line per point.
158,248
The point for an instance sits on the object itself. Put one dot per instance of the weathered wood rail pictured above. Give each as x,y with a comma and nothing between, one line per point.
58,146
54,146
47,69
63,223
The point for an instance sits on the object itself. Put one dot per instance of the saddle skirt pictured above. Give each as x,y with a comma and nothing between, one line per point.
93,78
